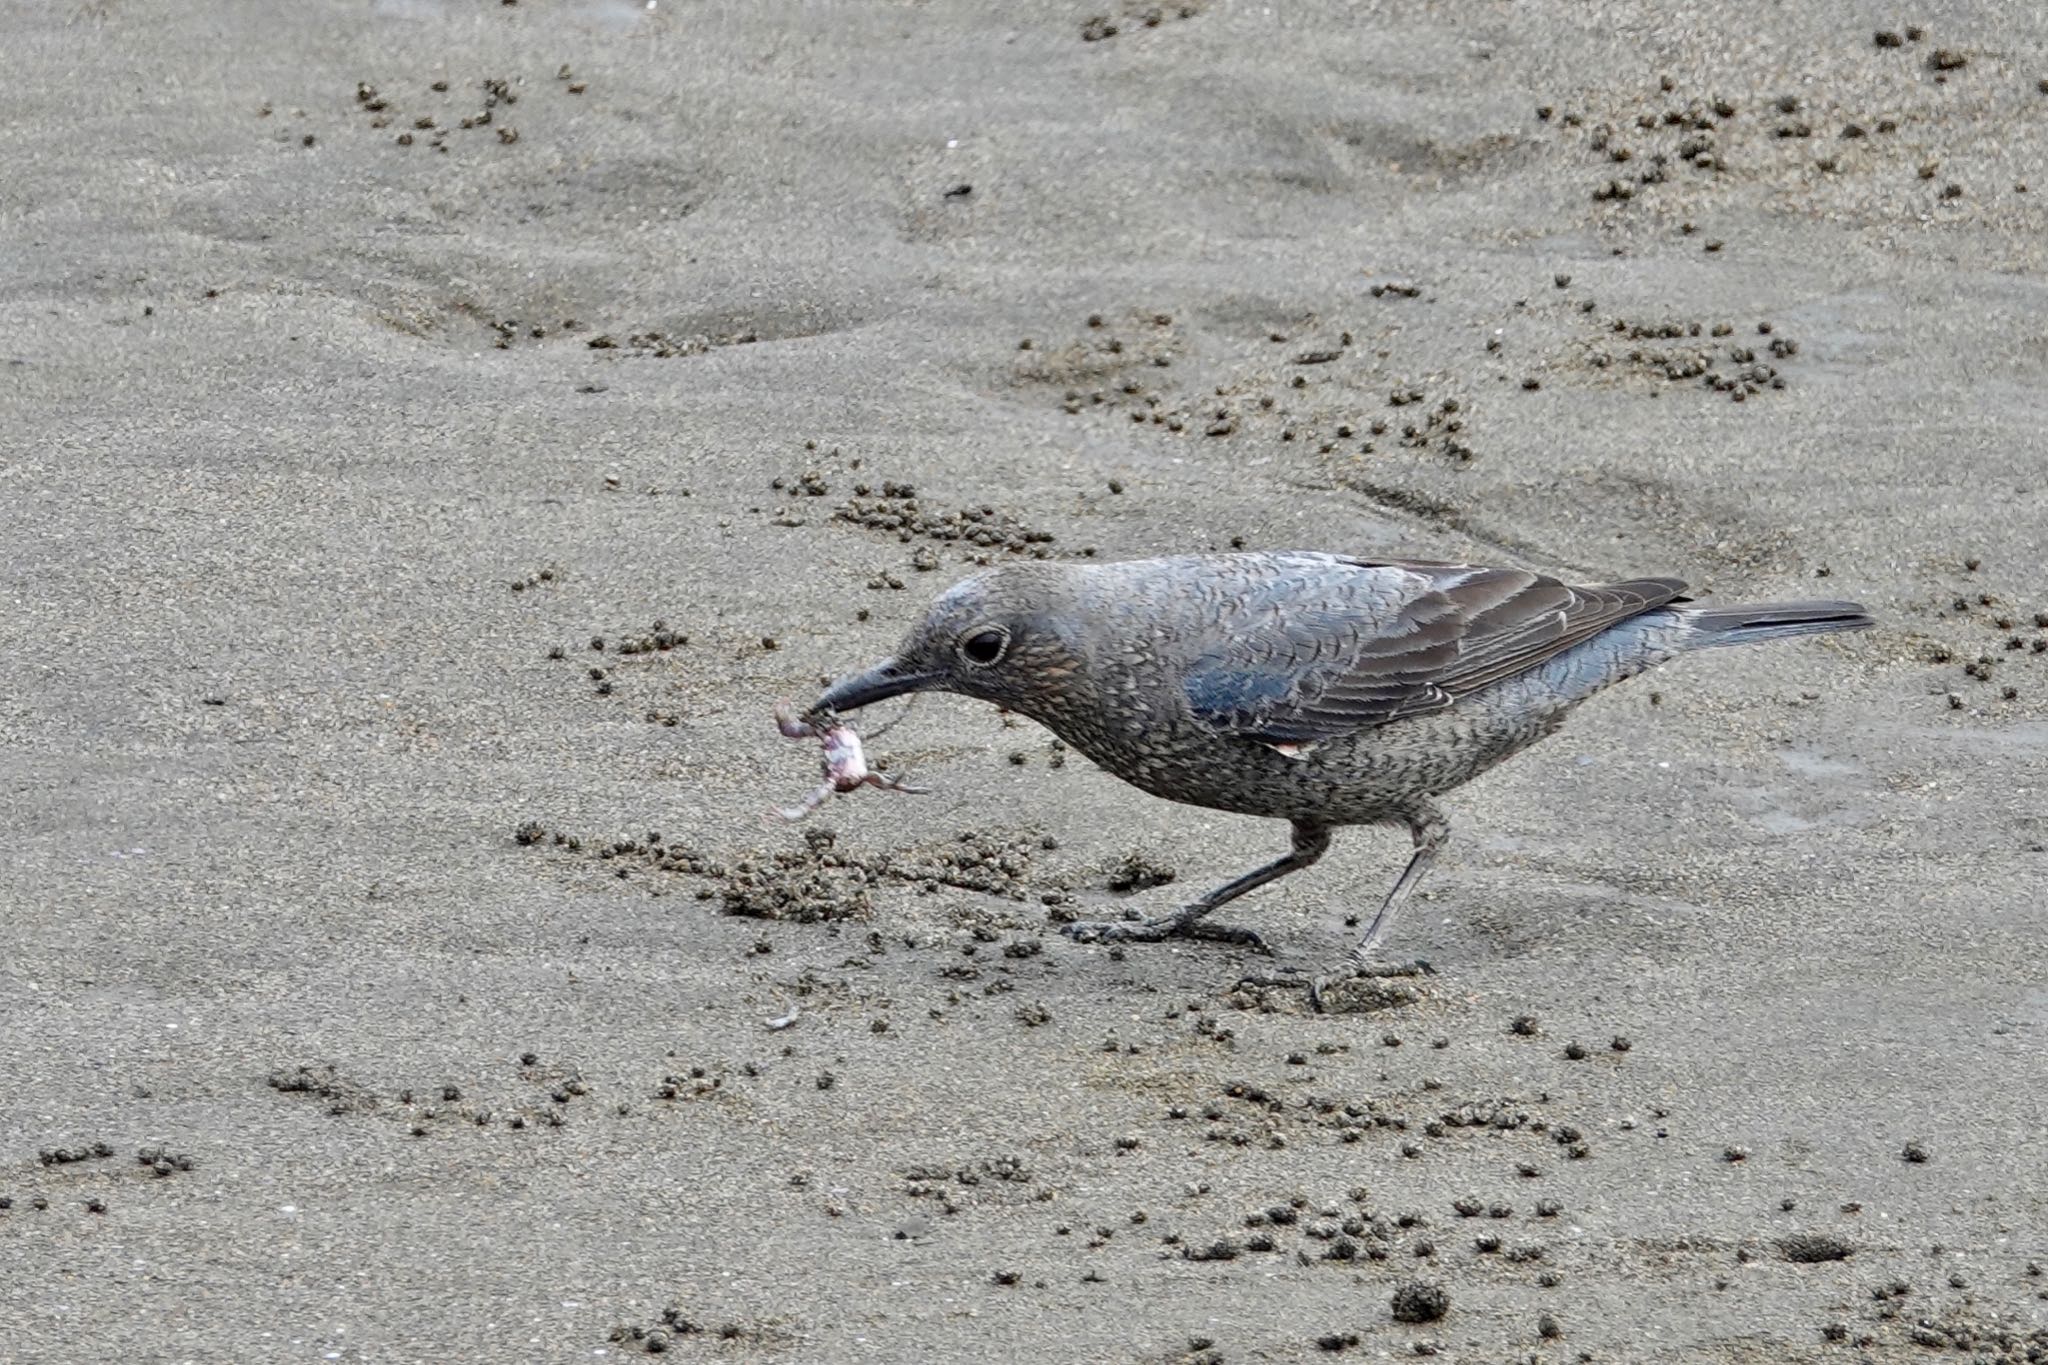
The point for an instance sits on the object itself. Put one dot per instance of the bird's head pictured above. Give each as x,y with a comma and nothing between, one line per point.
996,637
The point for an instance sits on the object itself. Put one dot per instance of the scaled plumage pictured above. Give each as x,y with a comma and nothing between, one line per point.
1320,689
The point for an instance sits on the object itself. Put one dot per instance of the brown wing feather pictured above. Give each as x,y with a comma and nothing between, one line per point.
1460,629
1542,620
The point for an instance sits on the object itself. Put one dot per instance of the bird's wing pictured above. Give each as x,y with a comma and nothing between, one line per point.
1320,646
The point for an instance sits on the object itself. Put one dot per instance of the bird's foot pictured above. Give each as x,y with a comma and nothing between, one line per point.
1419,967
1159,931
1363,990
1368,987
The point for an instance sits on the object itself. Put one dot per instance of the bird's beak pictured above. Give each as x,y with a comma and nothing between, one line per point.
886,679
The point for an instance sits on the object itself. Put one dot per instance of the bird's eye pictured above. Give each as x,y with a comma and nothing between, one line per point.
984,647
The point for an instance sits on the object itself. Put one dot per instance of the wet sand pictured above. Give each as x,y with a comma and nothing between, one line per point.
438,432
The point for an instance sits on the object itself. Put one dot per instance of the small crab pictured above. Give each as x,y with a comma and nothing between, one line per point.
846,767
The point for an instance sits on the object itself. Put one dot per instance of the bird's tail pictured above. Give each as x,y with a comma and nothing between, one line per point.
1713,626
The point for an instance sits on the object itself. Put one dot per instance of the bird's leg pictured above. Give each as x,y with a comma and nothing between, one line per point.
1310,843
1431,831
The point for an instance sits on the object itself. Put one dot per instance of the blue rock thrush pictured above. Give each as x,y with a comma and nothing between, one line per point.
1313,688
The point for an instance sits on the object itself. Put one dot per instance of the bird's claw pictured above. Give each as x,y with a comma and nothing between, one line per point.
1328,994
1323,991
1419,967
1160,930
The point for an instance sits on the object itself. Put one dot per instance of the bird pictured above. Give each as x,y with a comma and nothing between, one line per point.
1320,689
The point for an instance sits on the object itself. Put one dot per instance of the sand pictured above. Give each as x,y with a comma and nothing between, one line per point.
337,433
